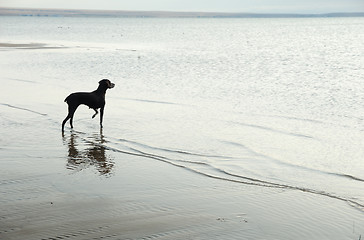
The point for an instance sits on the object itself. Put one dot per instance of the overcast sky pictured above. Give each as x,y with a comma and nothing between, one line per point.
255,6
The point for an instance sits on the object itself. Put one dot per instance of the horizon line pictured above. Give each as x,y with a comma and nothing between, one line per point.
16,11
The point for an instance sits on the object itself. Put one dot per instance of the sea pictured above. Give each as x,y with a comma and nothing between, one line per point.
268,102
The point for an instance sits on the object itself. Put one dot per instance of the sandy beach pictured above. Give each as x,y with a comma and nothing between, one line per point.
75,187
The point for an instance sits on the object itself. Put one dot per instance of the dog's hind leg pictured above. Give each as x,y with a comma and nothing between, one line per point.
71,112
96,112
71,120
64,122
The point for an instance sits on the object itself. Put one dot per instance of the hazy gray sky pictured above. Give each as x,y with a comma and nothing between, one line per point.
256,6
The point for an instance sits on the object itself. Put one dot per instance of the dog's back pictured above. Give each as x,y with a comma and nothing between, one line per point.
79,96
91,99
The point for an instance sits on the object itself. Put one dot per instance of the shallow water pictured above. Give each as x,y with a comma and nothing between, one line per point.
276,103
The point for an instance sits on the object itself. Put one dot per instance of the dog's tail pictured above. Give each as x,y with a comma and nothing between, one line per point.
66,100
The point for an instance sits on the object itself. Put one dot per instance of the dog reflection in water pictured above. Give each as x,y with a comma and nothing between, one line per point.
91,152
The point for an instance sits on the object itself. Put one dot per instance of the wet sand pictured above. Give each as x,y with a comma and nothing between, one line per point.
73,187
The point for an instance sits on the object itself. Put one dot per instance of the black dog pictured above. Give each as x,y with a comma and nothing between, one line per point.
94,100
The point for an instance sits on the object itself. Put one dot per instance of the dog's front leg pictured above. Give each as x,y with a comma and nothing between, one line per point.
96,112
101,115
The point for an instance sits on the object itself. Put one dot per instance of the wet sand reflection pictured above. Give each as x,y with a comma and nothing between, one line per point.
88,152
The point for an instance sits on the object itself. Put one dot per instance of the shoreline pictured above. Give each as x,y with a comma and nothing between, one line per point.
29,46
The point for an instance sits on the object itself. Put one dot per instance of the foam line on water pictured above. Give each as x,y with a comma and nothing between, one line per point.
24,109
216,173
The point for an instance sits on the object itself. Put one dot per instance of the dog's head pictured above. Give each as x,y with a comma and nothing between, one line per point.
107,83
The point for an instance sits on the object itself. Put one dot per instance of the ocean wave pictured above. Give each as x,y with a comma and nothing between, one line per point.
206,169
272,130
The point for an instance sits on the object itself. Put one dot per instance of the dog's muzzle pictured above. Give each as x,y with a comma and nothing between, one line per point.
111,85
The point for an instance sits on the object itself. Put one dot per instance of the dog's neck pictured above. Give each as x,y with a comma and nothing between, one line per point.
101,89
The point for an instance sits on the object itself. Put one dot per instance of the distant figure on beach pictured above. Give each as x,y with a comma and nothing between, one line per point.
94,100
